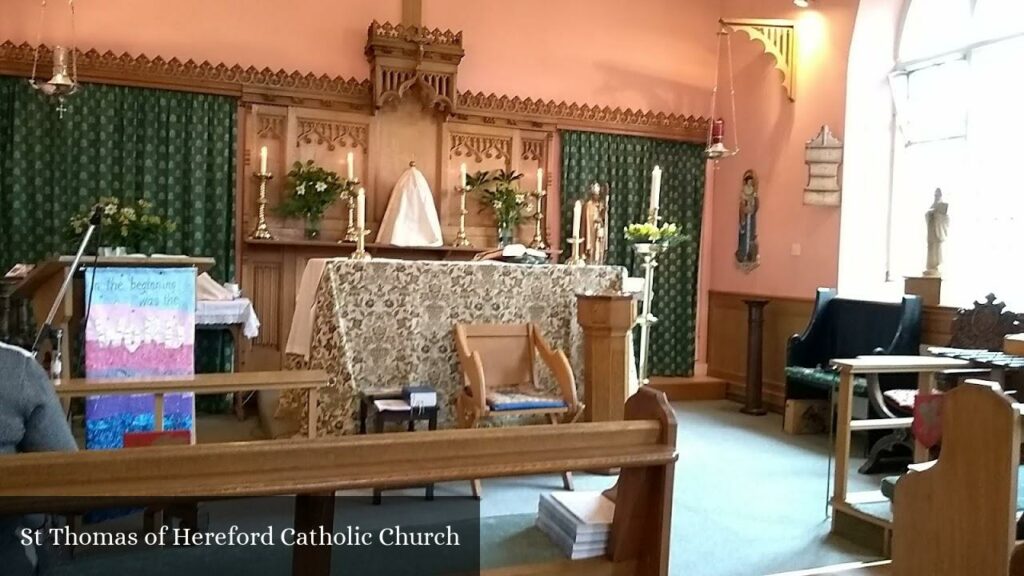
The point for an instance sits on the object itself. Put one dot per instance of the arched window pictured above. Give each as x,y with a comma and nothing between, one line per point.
960,127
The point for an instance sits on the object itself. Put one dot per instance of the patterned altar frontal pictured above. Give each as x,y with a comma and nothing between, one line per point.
141,323
387,323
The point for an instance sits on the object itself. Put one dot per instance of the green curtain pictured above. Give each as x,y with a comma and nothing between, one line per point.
176,149
624,163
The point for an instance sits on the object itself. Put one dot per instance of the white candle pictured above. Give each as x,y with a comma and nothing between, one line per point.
596,188
577,214
655,187
361,209
462,176
263,160
351,160
540,179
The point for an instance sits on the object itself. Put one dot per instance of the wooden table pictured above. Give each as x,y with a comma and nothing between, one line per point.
366,403
311,380
844,504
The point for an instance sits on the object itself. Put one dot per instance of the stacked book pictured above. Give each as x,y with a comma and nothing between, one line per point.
577,522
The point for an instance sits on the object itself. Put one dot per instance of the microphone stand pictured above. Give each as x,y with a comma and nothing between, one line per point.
55,334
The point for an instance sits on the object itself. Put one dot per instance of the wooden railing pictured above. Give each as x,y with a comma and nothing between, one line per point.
643,446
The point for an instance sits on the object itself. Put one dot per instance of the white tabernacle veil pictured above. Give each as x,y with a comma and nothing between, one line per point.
411,218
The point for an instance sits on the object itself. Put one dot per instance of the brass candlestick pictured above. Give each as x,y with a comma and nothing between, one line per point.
360,253
576,259
460,238
538,242
350,197
262,231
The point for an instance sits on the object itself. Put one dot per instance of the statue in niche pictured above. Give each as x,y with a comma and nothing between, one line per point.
937,220
595,225
747,254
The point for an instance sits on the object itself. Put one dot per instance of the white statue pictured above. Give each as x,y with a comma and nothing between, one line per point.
937,219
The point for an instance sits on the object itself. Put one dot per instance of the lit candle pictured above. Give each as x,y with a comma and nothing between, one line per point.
577,214
351,166
361,209
540,179
717,131
655,187
462,176
263,160
596,188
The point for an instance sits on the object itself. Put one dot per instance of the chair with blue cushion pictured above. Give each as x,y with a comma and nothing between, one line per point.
499,372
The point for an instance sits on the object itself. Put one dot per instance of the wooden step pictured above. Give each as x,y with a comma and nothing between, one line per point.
700,387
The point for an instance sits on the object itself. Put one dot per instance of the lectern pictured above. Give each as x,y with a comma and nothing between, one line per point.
42,285
607,321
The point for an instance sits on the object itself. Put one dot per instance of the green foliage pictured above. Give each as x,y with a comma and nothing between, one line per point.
500,192
129,224
667,234
312,190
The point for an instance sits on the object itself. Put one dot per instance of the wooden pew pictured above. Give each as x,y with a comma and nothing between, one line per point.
643,446
956,516
311,380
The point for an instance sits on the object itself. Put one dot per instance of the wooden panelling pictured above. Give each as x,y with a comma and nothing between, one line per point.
784,317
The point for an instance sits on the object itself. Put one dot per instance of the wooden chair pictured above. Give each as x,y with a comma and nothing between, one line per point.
500,378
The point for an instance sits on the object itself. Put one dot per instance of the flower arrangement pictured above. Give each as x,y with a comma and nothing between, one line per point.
313,190
123,223
500,192
666,235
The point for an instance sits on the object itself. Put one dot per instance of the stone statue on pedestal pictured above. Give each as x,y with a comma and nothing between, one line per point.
937,220
595,225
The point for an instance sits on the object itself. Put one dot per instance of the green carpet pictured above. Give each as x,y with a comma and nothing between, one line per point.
749,500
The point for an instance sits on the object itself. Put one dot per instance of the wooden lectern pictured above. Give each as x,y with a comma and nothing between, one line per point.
607,321
42,285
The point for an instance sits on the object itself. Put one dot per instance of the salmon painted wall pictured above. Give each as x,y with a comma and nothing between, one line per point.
657,55
799,245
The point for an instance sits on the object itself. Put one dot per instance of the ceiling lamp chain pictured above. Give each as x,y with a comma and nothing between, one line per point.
64,80
716,148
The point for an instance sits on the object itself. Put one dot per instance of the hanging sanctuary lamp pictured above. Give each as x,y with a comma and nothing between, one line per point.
716,148
64,80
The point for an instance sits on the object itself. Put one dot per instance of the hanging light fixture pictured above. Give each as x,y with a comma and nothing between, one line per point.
716,148
64,80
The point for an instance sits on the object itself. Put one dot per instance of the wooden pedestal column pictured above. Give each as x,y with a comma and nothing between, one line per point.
606,321
755,329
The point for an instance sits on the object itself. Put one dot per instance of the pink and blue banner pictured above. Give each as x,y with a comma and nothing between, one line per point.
141,323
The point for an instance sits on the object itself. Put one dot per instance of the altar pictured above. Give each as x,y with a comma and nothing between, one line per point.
386,323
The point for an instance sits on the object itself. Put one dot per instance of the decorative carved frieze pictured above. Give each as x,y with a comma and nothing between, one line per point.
270,126
403,58
331,133
779,40
96,66
491,106
433,74
535,149
480,147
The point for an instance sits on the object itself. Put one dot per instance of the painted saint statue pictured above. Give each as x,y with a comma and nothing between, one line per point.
747,255
595,225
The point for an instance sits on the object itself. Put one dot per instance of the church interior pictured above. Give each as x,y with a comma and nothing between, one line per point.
701,287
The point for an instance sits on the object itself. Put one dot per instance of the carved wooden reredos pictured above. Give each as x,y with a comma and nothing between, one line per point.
411,108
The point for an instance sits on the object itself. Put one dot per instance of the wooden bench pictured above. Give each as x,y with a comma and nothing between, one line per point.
311,380
957,515
642,446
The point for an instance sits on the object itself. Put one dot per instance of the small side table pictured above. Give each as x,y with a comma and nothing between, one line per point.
366,405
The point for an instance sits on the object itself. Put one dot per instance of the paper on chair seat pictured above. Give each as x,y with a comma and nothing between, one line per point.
391,406
411,218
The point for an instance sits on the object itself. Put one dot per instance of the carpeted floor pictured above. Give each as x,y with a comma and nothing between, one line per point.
749,500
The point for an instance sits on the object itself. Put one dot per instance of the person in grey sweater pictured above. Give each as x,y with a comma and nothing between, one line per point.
31,417
31,420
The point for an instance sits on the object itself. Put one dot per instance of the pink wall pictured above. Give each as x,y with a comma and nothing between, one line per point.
588,51
656,55
772,133
320,36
